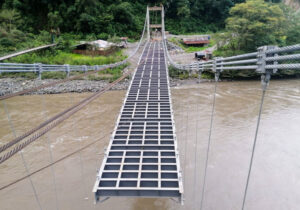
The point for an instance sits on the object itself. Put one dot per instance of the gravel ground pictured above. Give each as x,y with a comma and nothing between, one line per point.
9,85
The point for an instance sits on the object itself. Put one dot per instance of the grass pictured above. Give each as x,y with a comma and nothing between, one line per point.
180,74
60,57
190,49
109,74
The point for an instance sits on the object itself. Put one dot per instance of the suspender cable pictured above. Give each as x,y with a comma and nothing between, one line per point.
77,135
265,78
217,75
22,156
50,154
195,156
185,145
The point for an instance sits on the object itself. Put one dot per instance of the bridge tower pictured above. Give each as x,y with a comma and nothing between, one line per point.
157,27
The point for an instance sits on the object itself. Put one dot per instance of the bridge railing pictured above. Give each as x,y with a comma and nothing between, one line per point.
40,68
267,58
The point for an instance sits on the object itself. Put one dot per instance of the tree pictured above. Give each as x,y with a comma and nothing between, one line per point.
292,26
255,23
8,18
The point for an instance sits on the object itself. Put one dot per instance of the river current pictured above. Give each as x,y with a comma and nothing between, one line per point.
275,178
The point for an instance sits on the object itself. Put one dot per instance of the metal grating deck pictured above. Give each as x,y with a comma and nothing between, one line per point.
142,157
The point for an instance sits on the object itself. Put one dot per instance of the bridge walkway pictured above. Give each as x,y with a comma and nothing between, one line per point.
142,157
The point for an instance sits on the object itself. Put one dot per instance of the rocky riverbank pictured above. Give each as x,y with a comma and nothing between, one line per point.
9,85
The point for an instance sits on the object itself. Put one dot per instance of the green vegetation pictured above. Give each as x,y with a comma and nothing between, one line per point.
109,74
179,74
190,49
257,23
245,25
102,18
63,57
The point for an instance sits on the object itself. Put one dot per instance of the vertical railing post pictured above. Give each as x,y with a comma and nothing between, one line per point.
190,70
163,21
200,70
221,62
216,70
67,66
40,69
148,24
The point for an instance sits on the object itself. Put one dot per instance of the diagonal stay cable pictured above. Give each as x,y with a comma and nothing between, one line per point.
54,162
58,120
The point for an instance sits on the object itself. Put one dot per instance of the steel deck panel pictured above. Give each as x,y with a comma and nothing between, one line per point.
142,157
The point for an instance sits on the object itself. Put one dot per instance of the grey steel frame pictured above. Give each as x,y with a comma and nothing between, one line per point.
142,158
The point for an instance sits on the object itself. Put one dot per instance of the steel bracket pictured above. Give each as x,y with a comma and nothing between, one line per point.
217,69
261,62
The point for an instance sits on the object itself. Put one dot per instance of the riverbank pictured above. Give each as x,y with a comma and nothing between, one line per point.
8,85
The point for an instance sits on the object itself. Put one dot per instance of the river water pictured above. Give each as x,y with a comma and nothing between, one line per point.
275,178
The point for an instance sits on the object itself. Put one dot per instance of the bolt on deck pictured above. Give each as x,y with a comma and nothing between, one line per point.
142,158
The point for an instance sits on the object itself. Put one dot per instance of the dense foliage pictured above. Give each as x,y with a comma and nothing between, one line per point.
257,23
29,23
104,17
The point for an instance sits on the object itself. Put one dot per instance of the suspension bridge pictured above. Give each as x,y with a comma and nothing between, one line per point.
142,158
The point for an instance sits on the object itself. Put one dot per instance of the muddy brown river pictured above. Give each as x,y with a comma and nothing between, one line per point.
275,178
